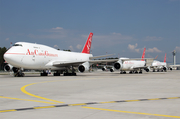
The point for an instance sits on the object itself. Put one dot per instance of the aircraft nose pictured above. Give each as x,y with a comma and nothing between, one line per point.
7,57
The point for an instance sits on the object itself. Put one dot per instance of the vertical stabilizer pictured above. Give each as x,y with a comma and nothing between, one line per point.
165,58
87,46
143,55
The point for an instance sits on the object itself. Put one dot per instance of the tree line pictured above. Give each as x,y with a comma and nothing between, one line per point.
2,51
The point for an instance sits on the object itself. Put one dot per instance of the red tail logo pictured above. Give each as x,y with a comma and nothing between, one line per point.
143,55
87,46
165,58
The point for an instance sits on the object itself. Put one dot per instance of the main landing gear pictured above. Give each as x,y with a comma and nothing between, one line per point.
59,72
44,73
131,72
70,74
18,73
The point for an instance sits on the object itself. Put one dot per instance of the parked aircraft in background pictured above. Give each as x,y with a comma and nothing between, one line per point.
176,67
159,66
23,55
131,65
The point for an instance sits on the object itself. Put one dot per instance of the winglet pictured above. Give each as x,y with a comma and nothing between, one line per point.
143,55
87,46
165,58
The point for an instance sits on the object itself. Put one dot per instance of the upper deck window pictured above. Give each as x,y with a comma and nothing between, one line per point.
17,45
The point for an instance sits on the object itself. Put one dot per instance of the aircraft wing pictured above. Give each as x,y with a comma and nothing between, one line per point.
95,57
66,63
77,63
177,65
103,61
149,61
129,59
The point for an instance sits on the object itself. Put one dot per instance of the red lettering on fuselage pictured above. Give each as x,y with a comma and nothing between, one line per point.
45,53
128,62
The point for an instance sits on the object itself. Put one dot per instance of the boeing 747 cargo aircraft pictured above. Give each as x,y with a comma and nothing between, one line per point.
23,55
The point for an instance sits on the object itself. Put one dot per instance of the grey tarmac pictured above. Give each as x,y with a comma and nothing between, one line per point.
95,95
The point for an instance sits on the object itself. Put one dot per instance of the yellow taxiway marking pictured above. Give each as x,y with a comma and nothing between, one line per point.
30,94
44,107
12,110
27,100
131,112
173,98
80,104
132,100
108,102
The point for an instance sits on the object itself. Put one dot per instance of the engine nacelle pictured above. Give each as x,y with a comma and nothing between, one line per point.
8,67
111,69
84,67
147,69
164,68
104,68
118,65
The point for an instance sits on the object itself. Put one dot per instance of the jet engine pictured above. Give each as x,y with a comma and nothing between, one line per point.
84,67
111,69
147,69
118,65
104,68
164,68
9,67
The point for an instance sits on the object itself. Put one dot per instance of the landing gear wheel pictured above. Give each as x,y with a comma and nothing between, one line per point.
44,74
56,74
69,74
19,74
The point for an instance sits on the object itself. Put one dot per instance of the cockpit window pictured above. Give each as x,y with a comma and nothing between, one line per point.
17,45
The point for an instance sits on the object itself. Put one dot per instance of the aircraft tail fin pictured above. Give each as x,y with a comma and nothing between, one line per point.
87,46
165,58
143,55
156,57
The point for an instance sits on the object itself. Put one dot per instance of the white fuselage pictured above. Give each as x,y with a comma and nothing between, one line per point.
36,56
159,64
131,64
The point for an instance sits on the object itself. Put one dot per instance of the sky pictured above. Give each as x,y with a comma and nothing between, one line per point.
120,27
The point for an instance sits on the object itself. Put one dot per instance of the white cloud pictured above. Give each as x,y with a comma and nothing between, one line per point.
79,46
133,48
177,48
71,48
153,50
55,46
57,28
116,33
109,40
153,38
53,33
7,39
